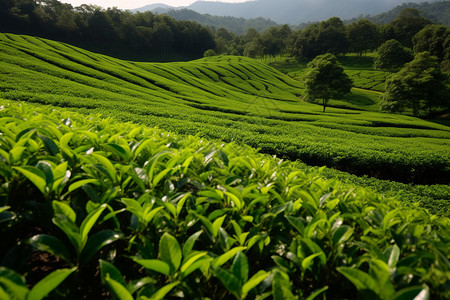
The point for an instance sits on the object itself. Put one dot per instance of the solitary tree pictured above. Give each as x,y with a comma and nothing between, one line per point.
392,55
326,80
420,85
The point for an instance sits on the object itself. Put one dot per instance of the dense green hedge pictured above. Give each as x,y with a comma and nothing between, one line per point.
136,212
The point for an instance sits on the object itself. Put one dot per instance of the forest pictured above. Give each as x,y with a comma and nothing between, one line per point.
161,37
110,29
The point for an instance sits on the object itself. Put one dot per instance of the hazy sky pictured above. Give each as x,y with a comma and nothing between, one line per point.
136,3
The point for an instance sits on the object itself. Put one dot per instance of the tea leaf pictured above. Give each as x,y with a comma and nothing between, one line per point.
317,293
413,293
51,244
240,267
217,224
96,242
36,176
13,282
306,263
360,279
281,287
118,289
154,265
191,260
342,234
170,251
217,262
230,281
89,222
109,167
49,283
254,281
107,268
393,256
189,244
162,292
180,203
80,183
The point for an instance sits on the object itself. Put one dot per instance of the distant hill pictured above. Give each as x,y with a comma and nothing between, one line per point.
236,25
438,12
290,11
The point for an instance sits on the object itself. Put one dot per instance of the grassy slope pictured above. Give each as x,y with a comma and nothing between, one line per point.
231,98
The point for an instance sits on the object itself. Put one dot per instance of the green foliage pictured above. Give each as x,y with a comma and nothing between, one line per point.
392,55
436,11
436,40
432,38
329,36
236,25
407,24
363,36
224,220
326,80
114,31
227,98
209,53
13,285
420,85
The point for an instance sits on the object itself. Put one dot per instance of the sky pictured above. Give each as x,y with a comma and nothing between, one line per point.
124,4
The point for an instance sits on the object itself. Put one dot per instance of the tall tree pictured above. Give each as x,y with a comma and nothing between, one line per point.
363,35
272,43
432,39
420,85
392,55
305,42
332,36
408,23
326,80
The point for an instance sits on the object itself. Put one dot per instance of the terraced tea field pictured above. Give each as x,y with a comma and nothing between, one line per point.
368,83
227,98
95,207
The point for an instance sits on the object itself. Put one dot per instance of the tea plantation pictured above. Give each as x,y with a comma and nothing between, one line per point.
95,208
227,98
132,180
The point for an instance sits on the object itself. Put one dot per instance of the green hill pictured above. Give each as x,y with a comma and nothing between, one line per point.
92,207
227,98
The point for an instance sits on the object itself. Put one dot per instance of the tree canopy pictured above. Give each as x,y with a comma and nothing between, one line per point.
419,86
105,29
363,35
408,23
436,40
392,55
326,80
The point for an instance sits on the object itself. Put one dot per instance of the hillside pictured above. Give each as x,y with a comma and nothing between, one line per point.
235,25
438,12
292,11
227,98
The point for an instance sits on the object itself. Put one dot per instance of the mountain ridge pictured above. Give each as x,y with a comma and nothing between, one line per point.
288,11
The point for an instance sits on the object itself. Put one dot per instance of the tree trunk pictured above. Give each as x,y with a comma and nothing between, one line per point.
324,104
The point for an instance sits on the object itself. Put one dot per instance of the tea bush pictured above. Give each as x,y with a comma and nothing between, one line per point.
134,212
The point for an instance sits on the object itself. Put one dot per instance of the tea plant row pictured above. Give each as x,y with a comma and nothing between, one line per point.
93,207
231,98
